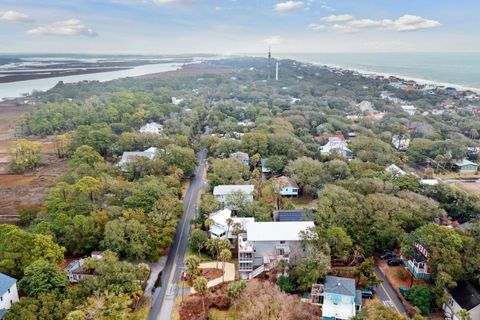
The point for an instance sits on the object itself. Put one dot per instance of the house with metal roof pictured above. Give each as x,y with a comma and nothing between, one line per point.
464,296
340,298
221,229
466,166
221,192
131,155
8,293
417,264
264,244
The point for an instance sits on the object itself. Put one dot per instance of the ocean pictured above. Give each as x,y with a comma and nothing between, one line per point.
459,69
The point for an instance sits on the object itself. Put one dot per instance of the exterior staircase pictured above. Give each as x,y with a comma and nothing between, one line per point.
256,272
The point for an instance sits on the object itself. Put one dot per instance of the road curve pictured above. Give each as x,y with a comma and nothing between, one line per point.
164,296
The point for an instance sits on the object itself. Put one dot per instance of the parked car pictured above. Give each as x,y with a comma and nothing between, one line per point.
367,293
394,262
387,256
404,291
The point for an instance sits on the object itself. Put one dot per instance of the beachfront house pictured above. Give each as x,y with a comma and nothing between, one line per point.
417,264
129,156
221,192
400,142
286,186
466,166
8,293
264,244
221,228
466,296
242,156
338,146
152,127
409,109
340,298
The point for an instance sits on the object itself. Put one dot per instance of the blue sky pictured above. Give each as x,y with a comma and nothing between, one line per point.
238,26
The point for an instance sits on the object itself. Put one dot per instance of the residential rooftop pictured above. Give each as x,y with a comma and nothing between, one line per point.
277,231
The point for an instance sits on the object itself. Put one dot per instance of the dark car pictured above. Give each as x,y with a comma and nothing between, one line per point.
395,262
387,256
367,293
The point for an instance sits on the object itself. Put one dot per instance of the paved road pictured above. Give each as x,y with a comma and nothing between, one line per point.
387,294
164,295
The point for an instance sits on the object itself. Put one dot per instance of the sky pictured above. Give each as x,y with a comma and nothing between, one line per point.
238,26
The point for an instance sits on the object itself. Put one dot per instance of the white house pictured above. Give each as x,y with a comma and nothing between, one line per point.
286,186
176,101
222,191
8,293
336,145
221,229
340,299
395,171
130,155
151,127
265,243
76,272
242,156
409,109
464,296
400,142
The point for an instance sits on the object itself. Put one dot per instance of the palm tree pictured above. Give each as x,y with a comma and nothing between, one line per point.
191,263
464,315
229,222
208,223
200,286
225,255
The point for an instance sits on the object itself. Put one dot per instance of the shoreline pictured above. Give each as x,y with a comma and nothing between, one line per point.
420,81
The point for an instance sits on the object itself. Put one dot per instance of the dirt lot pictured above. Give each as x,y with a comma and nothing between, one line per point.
25,189
470,187
211,273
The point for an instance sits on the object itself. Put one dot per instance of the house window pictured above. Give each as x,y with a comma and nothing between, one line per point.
281,252
282,242
8,290
1,298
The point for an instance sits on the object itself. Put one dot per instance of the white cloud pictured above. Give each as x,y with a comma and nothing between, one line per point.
365,23
338,18
338,28
288,5
173,1
410,23
14,16
274,40
71,27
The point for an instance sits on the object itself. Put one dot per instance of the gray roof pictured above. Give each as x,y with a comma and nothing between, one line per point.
338,285
466,295
6,282
287,182
227,189
240,156
465,162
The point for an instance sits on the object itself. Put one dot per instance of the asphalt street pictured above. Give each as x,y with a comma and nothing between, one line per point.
164,295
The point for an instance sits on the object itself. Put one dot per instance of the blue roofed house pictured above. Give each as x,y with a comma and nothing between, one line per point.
340,298
8,293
